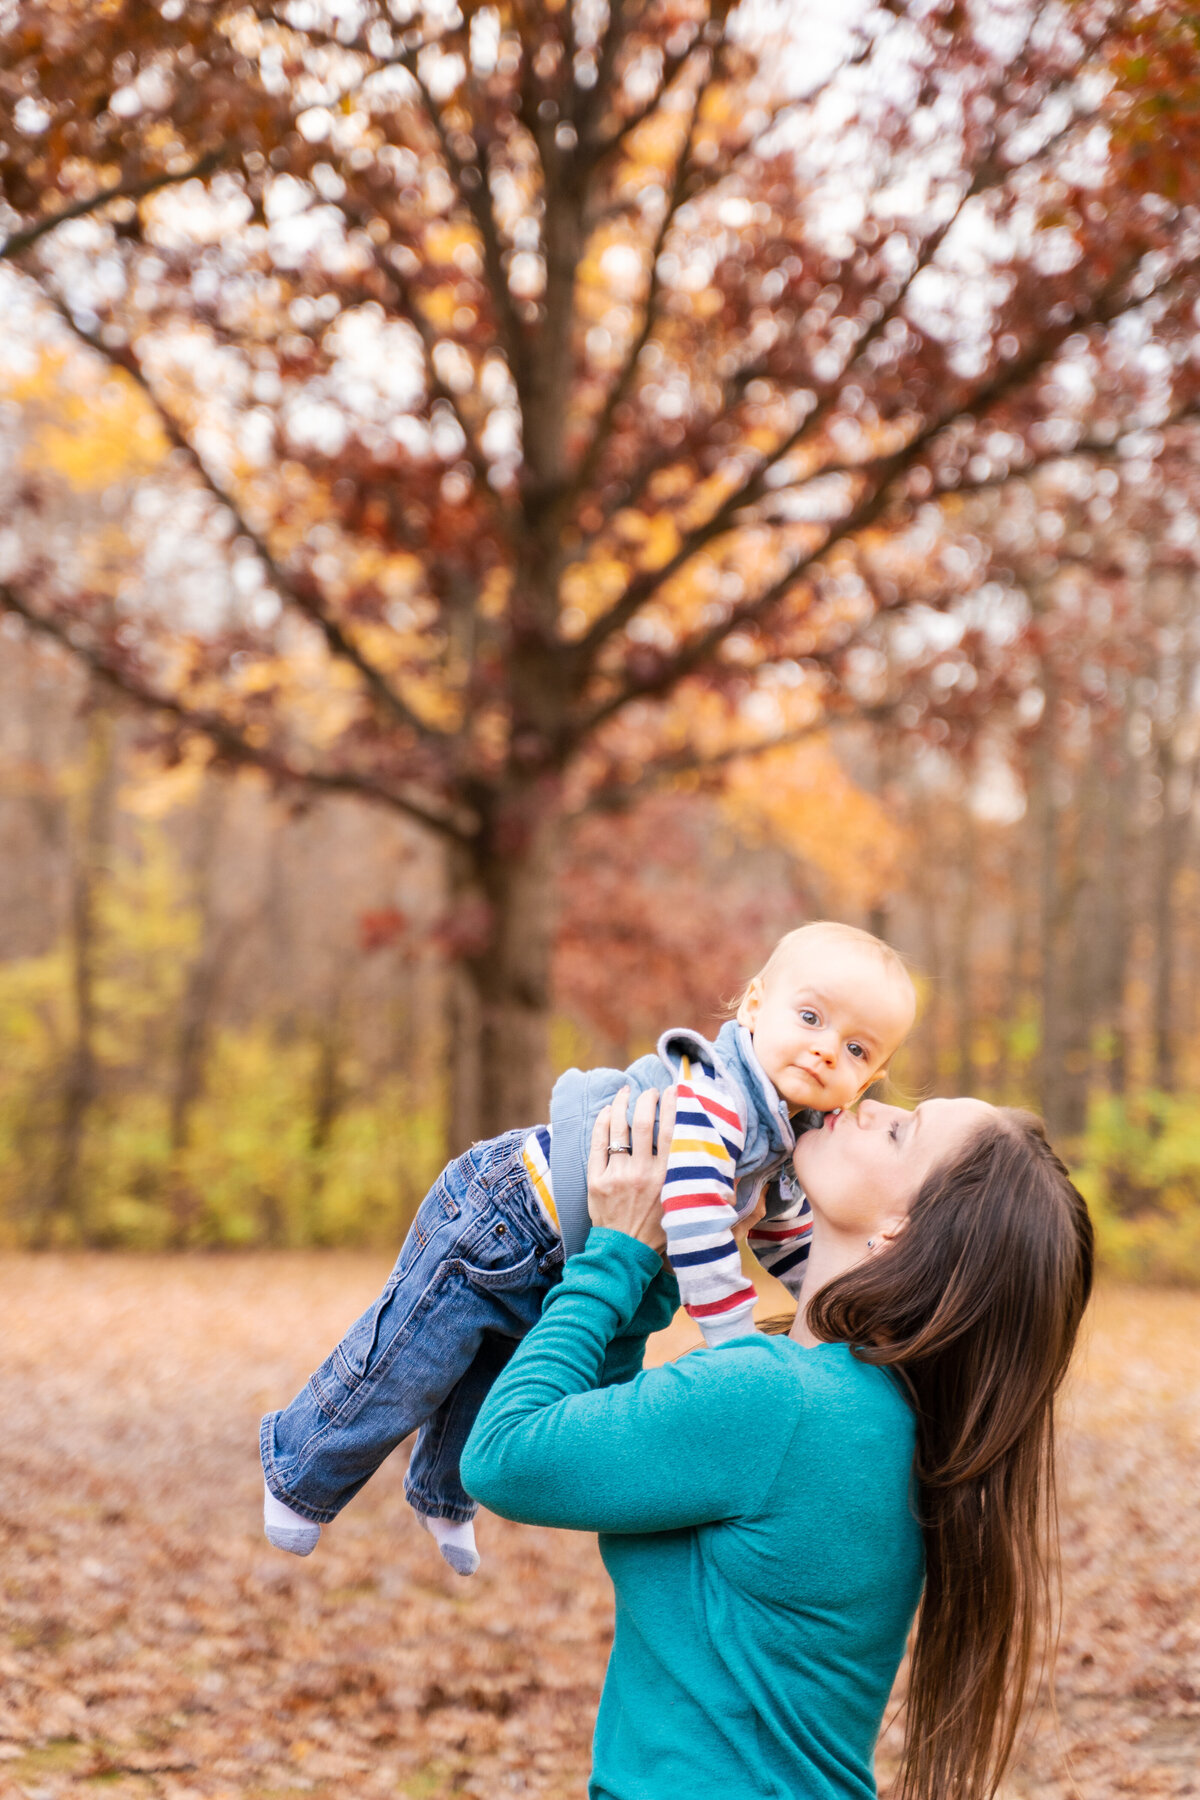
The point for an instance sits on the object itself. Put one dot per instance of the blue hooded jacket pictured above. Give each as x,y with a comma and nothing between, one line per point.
581,1094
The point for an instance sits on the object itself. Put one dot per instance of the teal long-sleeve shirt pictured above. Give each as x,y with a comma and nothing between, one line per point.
755,1514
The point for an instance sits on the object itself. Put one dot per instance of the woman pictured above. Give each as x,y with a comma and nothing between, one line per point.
757,1505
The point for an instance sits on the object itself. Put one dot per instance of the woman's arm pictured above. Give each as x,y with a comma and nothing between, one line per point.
665,1450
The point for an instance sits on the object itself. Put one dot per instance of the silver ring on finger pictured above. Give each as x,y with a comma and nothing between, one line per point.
620,1149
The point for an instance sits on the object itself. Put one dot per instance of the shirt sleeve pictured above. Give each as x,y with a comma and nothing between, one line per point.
699,1211
658,1307
660,1452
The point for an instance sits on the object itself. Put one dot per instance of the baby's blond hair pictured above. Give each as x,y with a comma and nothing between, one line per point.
891,959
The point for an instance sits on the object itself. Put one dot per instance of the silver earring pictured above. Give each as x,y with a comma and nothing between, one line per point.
870,1243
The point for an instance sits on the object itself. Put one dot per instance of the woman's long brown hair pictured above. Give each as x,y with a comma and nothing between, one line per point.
976,1305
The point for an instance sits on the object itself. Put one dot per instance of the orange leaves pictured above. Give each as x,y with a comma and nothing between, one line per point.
802,799
1155,104
90,428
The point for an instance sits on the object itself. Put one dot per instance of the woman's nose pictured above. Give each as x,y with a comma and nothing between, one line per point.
874,1113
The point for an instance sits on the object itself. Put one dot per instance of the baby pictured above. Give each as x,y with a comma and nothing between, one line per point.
813,1029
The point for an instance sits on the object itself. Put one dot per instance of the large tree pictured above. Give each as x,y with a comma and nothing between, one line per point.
573,380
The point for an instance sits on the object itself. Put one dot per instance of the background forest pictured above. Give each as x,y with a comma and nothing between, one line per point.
507,509
507,506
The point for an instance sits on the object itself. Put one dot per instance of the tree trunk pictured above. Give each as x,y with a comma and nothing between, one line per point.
1172,837
960,951
65,1198
329,1086
200,986
196,1006
1012,990
1115,931
926,1059
502,913
1052,907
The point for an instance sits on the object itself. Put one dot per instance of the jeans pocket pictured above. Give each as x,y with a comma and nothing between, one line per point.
503,1277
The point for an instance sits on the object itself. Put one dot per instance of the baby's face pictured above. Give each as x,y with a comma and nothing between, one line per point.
826,1020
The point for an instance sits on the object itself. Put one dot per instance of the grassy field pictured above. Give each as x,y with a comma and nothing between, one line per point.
151,1644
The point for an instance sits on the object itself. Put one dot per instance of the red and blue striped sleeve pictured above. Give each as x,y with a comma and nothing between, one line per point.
699,1213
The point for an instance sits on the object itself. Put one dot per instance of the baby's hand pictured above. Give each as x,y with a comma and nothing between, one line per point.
744,1227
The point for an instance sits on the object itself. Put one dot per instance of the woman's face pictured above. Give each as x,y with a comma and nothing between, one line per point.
865,1168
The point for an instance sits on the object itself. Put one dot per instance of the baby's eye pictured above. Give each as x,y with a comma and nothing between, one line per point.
857,1050
808,1016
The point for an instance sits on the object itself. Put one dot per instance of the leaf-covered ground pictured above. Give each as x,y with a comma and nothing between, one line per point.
152,1644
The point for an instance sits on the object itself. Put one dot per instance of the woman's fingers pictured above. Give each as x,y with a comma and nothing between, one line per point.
625,1189
618,1130
598,1153
642,1129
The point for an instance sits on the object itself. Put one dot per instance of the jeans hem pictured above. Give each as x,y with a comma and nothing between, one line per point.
319,1515
431,1508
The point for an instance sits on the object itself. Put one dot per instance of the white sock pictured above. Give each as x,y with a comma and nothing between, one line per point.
455,1540
286,1529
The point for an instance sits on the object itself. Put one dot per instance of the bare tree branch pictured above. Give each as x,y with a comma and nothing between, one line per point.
613,793
880,492
987,174
228,740
594,97
297,590
672,65
27,235
1103,307
642,587
477,197
438,389
628,372
865,43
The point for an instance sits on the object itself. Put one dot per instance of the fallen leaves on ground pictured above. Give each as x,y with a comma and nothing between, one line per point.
152,1644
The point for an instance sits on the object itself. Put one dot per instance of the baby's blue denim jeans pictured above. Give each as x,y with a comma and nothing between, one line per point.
467,1286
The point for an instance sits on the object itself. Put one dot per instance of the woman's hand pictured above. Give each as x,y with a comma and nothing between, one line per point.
625,1190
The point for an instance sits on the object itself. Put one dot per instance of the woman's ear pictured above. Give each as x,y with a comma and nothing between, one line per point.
747,1012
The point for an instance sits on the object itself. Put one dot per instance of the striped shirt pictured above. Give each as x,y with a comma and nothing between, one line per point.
535,1154
700,1208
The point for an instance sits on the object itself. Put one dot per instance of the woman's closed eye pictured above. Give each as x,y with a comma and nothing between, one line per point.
894,1131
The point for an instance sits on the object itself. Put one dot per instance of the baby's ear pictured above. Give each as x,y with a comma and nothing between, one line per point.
879,1075
747,1012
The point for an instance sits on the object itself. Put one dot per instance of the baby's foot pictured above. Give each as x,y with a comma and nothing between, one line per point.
456,1541
286,1529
